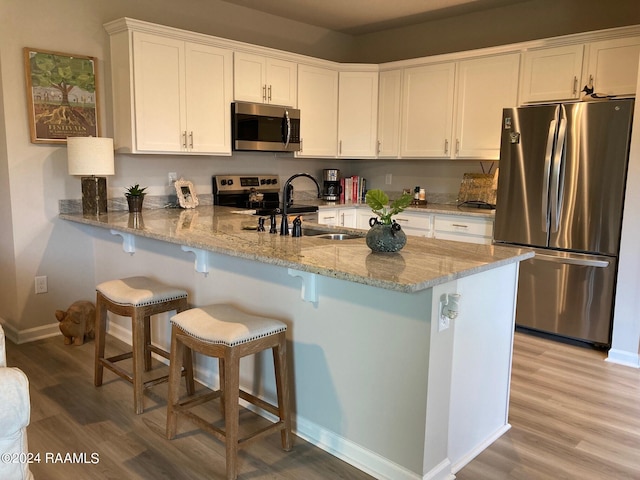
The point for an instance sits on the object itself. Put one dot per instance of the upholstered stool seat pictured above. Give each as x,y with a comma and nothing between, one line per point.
138,298
228,334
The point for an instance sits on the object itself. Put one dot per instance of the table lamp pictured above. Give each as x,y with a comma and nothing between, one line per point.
91,156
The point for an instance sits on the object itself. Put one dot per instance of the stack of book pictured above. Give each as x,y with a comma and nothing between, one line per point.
352,189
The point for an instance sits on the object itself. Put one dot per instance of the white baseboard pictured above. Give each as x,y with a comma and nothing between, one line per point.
30,334
466,459
622,357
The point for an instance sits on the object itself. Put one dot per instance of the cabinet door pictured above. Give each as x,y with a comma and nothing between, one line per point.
347,217
485,87
318,104
282,82
249,78
363,215
427,111
209,93
389,98
613,66
159,93
357,114
328,216
551,74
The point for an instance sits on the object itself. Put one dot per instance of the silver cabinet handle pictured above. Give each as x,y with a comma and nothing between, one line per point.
184,139
340,147
460,225
379,148
591,81
399,219
264,93
457,147
446,146
575,85
269,95
191,139
328,218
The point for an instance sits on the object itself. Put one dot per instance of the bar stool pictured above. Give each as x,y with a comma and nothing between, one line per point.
228,334
138,298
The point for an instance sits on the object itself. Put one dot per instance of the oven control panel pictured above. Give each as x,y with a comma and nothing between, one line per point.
228,184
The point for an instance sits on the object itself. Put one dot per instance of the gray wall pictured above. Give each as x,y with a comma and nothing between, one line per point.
521,21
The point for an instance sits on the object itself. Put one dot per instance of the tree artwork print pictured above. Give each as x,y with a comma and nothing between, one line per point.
62,95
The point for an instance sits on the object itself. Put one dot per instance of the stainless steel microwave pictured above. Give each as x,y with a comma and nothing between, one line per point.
265,128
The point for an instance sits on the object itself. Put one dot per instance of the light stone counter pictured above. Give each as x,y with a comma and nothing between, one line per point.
422,264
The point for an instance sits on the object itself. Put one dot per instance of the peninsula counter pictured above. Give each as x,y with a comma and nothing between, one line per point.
381,378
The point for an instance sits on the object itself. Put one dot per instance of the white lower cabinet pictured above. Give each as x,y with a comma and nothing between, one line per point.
458,228
418,224
339,217
463,229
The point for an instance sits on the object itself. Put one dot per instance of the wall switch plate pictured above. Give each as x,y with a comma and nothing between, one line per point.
173,177
41,284
387,179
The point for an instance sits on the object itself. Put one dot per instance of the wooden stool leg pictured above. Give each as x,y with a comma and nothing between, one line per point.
147,344
188,355
221,377
232,411
137,327
178,351
282,388
100,329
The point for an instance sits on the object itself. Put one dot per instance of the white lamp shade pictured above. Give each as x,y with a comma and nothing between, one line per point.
90,156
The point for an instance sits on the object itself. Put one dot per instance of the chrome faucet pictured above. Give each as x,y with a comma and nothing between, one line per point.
287,197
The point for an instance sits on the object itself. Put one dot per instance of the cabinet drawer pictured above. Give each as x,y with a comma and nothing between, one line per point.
414,224
464,225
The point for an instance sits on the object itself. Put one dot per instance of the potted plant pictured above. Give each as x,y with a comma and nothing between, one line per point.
135,196
385,234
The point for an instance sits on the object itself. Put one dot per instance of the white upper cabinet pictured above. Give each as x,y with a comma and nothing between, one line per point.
485,87
357,114
389,102
318,104
453,110
427,111
613,66
610,67
170,96
551,74
261,79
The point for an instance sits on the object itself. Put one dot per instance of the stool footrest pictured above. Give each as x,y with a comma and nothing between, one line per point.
258,402
221,435
191,402
159,351
118,358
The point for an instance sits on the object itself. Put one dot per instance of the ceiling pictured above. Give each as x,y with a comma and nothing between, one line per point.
357,17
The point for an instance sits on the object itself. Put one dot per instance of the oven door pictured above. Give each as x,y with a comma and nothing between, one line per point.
265,128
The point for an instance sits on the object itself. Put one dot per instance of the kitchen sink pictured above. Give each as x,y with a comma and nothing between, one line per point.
328,235
338,236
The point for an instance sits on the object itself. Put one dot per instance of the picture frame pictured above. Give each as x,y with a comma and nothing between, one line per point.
187,197
62,95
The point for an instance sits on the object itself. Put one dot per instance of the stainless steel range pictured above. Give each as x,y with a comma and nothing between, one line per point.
256,192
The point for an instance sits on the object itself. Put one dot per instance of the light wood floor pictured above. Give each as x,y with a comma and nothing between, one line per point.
573,416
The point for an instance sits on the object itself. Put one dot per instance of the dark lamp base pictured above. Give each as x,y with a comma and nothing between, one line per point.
94,195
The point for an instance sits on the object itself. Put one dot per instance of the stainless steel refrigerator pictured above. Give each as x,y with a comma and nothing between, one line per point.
561,184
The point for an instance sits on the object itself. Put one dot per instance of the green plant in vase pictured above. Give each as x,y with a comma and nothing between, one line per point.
385,234
135,196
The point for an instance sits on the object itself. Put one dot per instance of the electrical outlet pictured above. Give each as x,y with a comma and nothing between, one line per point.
41,284
387,179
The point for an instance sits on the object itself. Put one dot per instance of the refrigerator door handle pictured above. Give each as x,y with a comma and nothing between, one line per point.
547,172
556,181
573,261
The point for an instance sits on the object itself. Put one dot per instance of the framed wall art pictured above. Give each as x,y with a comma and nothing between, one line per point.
62,95
186,194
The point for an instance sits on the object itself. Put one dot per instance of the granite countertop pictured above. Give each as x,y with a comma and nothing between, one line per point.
421,264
